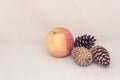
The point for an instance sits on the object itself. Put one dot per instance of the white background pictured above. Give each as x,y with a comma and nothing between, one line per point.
24,25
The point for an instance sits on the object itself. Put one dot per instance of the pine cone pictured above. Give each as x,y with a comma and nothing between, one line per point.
86,41
100,56
82,56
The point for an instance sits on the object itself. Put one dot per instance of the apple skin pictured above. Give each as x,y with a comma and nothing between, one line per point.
59,42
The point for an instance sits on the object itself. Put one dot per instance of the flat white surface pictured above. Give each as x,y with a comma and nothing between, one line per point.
25,23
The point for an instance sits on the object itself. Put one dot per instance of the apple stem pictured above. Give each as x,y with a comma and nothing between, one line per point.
54,32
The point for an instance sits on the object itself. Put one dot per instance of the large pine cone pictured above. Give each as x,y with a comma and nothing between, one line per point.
82,56
100,56
86,41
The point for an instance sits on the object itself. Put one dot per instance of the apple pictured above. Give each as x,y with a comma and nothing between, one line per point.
59,42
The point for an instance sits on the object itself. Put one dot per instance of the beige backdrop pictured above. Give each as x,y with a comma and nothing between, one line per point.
25,23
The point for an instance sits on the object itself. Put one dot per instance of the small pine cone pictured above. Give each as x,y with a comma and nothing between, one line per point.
82,56
100,56
86,41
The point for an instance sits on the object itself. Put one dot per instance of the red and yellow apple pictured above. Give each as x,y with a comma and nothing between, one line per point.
59,42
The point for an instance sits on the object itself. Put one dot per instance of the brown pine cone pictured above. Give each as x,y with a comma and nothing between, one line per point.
82,56
86,41
100,56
